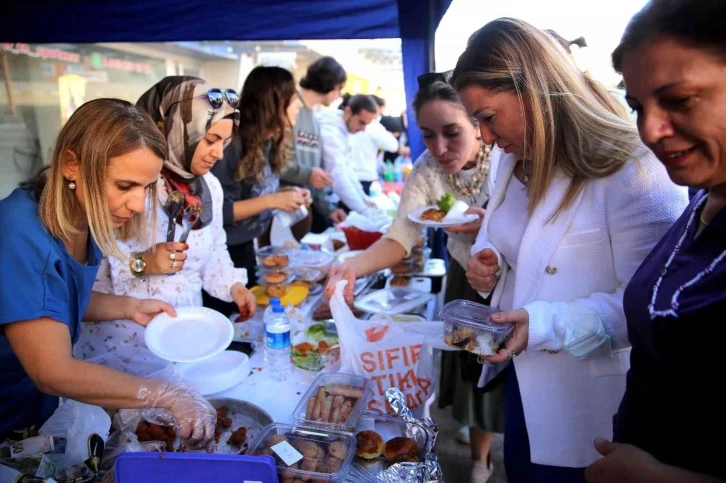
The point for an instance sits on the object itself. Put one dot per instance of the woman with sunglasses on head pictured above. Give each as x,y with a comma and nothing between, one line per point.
578,204
102,175
250,170
197,121
457,162
673,59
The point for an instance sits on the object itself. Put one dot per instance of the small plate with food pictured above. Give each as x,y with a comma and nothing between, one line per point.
448,211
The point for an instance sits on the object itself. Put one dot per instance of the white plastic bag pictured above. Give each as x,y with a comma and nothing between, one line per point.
76,421
381,351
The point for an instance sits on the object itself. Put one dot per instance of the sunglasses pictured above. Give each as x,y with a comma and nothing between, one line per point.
425,80
217,96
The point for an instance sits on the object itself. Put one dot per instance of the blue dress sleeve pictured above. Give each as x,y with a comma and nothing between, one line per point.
32,282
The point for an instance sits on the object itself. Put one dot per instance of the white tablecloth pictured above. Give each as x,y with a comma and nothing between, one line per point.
279,399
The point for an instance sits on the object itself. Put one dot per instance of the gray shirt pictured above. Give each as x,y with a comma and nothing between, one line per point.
308,155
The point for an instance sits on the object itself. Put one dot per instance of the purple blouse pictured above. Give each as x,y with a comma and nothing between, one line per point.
672,407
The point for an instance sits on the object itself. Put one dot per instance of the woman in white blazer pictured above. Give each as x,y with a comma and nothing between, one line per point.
577,206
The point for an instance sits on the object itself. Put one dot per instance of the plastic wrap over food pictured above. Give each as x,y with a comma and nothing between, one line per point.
429,470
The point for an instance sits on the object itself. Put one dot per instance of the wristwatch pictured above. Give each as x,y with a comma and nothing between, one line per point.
138,265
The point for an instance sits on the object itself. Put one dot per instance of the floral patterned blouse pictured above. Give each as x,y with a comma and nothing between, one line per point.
208,266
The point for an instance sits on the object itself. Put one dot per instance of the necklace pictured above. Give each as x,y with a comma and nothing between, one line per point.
480,175
674,300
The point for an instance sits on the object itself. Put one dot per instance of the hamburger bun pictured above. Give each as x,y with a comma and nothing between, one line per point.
400,449
370,445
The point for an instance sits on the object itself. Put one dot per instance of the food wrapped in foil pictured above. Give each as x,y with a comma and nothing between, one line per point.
427,471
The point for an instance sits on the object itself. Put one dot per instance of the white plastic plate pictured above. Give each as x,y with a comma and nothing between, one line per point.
195,334
216,374
415,216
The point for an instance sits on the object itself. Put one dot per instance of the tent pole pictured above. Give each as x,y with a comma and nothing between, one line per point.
9,85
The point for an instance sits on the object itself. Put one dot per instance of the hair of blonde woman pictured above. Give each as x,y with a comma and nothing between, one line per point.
97,131
571,121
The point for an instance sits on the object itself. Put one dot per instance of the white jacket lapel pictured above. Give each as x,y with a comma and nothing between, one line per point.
541,238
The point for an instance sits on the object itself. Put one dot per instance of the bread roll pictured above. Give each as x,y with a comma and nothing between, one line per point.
398,447
370,445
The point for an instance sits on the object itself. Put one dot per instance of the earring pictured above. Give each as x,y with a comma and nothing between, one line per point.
72,185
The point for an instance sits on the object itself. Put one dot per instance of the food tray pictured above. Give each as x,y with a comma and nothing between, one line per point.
388,427
434,267
243,414
392,301
421,284
317,447
331,386
467,325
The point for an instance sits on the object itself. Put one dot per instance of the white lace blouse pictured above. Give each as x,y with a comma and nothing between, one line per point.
207,267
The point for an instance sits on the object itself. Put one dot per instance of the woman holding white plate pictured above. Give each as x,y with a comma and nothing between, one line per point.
456,162
197,121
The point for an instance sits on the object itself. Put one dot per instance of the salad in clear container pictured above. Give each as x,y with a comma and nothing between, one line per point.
314,349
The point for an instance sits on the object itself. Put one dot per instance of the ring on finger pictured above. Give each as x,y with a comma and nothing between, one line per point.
511,353
174,265
172,256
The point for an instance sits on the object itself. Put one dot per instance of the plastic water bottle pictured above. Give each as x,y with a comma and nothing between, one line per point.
267,317
277,342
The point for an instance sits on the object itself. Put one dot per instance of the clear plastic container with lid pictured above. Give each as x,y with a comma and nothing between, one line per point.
272,257
334,401
467,325
326,454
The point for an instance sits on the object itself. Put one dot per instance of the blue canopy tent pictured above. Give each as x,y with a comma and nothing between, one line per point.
414,21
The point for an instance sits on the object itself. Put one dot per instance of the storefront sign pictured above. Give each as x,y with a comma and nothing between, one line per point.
41,52
100,61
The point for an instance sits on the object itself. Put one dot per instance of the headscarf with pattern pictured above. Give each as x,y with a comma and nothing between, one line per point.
181,110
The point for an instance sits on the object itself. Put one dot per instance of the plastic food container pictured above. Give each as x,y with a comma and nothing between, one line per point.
326,454
314,348
156,467
467,326
287,273
269,251
334,401
311,259
309,274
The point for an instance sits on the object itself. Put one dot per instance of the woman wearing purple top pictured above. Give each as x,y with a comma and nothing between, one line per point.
671,422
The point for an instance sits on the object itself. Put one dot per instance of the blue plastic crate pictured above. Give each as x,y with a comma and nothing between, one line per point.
194,468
